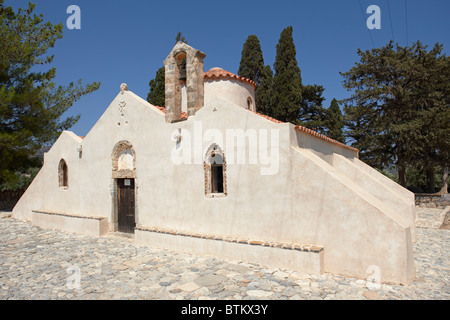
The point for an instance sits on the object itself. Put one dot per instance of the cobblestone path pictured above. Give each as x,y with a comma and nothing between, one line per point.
49,264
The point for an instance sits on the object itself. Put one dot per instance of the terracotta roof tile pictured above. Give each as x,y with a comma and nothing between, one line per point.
310,132
267,117
325,138
219,73
163,109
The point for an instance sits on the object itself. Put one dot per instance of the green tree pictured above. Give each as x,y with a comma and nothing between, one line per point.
312,114
335,122
157,94
287,79
252,61
31,104
398,112
431,98
264,93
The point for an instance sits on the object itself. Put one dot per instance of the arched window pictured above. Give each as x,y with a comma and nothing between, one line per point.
123,161
215,172
63,174
249,103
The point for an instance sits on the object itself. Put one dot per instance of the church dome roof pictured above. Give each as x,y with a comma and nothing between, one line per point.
219,73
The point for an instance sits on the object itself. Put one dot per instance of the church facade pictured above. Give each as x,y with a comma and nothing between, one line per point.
209,175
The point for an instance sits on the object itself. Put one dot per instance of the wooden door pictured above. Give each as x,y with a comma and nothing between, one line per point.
125,204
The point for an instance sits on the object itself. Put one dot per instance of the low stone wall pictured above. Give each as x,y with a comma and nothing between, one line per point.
424,200
93,226
303,258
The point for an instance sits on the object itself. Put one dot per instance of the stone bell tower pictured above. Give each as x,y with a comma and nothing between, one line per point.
184,67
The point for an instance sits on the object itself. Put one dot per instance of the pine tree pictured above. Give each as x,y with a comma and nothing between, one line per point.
157,94
312,114
398,112
31,104
252,61
287,79
335,122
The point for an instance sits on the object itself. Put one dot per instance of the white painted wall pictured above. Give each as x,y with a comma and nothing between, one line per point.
306,200
234,91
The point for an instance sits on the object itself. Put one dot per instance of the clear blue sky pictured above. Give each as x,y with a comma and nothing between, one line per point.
127,41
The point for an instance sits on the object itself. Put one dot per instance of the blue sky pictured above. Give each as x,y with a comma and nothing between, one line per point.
127,41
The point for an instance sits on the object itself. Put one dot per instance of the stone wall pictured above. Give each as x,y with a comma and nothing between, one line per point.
432,201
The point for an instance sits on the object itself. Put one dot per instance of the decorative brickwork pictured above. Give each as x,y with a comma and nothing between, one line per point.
273,244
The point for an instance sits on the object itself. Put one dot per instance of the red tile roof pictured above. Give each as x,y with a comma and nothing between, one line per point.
219,73
325,138
183,114
310,132
267,117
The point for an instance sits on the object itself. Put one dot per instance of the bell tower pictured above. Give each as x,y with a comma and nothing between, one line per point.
184,67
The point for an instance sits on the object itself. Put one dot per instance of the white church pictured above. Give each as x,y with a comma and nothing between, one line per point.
209,175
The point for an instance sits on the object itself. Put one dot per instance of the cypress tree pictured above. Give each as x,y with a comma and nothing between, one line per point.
252,61
335,122
287,79
265,94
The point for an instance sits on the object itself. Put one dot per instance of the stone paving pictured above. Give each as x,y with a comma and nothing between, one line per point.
54,265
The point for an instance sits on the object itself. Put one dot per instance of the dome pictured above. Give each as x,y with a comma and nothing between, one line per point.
219,73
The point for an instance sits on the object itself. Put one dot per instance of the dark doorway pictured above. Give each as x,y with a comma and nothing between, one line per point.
125,205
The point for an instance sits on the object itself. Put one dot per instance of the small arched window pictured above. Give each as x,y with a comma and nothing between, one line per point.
249,103
215,172
63,174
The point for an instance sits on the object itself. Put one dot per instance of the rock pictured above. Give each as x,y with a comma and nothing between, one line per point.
259,293
288,292
371,295
281,274
119,267
300,276
209,280
237,268
175,290
189,287
446,224
202,292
